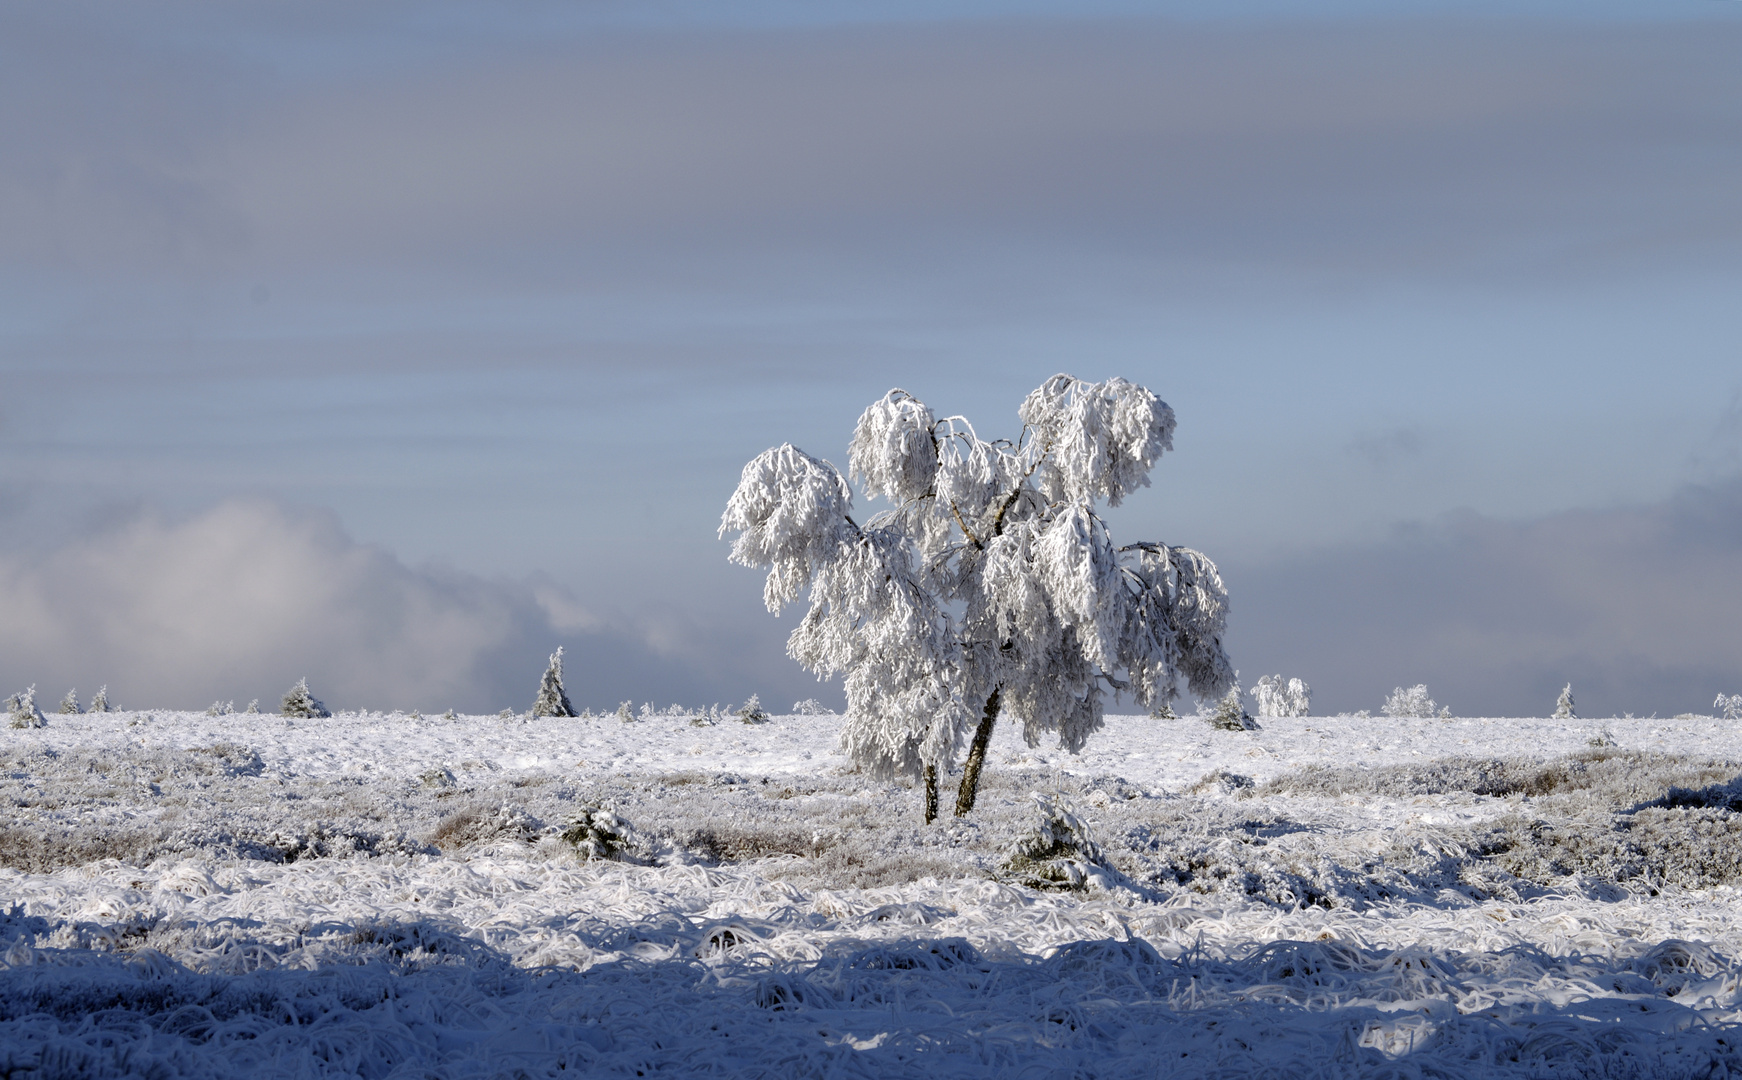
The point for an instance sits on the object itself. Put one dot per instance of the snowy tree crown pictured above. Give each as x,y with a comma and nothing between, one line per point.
990,571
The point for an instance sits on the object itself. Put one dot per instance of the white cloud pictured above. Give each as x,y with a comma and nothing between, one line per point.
242,600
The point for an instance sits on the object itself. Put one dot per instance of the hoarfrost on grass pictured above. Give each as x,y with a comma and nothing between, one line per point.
218,895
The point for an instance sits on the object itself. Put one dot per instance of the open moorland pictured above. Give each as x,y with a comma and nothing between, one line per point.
391,895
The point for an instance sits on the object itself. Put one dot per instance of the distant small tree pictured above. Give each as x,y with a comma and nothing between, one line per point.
69,705
23,711
100,702
1729,707
1276,697
1229,714
552,699
809,707
752,712
1412,702
991,584
299,702
1563,705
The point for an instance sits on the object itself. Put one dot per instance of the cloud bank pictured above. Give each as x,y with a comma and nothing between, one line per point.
241,601
1640,608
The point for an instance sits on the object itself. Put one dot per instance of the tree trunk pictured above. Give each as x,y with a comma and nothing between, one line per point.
931,794
976,757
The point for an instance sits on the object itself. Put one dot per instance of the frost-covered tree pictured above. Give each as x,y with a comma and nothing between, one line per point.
69,705
990,585
1729,706
1277,697
23,710
1563,705
1412,702
100,702
299,702
752,712
552,699
1229,714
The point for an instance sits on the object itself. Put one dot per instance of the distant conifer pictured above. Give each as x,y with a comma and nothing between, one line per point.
299,702
552,699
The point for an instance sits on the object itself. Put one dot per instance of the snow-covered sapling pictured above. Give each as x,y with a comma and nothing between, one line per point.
1278,697
624,714
599,834
69,705
1229,714
752,712
299,702
809,707
552,699
23,710
253,707
100,703
1563,705
990,584
1056,851
1729,706
221,708
1412,702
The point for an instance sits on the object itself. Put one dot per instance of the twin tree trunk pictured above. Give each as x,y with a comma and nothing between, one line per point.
970,769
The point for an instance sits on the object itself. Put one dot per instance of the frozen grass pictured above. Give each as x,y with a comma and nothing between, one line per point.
375,896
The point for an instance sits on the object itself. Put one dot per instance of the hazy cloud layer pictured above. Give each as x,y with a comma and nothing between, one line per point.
1639,608
244,599
1431,149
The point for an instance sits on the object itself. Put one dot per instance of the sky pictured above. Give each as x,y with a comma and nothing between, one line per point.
395,345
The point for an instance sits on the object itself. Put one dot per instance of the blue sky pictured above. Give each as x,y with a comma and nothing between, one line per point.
480,308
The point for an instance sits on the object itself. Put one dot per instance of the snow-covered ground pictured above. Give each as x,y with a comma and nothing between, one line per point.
371,895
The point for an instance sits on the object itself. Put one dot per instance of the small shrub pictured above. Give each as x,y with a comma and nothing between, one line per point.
23,710
1163,711
253,708
100,703
597,833
624,714
1229,714
1729,706
1057,851
69,705
298,701
809,707
505,714
1412,702
751,712
221,708
449,715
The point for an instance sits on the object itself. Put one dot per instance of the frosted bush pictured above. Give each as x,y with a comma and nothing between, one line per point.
990,585
809,707
624,714
23,710
221,708
1563,705
1729,706
298,701
552,699
599,834
1412,702
100,702
1229,714
1277,697
69,705
1056,850
752,712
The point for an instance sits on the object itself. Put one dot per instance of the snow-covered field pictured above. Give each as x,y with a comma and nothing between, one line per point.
186,895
